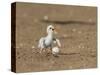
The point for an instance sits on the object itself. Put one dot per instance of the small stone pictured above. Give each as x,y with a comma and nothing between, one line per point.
74,30
33,47
64,35
83,47
45,17
79,46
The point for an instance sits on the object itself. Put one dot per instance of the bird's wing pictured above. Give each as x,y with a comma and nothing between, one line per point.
58,42
41,42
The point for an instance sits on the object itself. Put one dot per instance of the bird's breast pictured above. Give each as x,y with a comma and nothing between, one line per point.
48,42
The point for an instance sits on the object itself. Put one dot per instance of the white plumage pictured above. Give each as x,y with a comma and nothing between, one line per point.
47,41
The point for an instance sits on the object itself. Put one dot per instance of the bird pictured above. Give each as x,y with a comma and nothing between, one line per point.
47,41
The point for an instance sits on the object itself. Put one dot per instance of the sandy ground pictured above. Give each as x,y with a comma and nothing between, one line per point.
77,32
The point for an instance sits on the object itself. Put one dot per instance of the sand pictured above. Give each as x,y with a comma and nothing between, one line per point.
77,31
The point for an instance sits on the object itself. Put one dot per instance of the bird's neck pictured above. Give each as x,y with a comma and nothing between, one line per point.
50,36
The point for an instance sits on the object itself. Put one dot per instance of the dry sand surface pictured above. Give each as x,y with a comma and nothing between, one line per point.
77,31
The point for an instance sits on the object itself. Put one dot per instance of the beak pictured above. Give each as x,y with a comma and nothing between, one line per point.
55,31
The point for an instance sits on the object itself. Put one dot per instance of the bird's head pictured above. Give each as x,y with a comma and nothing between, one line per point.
51,30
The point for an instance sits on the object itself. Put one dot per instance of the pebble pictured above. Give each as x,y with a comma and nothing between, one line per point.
45,17
65,35
74,30
81,46
79,32
33,47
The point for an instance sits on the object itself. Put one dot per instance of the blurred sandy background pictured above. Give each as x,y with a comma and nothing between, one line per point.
77,31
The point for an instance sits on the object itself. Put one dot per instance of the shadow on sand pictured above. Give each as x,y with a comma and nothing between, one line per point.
68,22
68,53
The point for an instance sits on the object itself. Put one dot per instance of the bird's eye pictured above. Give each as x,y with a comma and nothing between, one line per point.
50,28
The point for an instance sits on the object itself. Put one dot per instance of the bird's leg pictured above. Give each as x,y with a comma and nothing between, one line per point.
58,43
50,49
